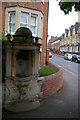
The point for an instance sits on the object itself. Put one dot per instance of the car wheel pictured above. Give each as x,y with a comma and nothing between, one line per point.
76,61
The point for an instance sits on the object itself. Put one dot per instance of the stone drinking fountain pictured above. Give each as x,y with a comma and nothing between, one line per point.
22,64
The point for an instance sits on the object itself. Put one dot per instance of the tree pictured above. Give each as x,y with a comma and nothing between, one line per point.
67,6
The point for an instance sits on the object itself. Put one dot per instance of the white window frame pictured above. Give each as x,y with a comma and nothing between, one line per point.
17,10
22,23
31,25
73,40
9,13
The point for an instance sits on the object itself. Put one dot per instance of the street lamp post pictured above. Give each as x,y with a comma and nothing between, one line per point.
46,50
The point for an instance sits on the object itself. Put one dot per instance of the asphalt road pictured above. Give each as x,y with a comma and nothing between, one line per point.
63,104
0,101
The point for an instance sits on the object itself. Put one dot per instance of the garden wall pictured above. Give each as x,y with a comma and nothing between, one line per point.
52,83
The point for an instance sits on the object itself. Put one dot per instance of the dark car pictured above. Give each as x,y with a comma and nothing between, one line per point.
76,58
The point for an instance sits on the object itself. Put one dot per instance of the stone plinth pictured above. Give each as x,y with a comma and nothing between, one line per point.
22,94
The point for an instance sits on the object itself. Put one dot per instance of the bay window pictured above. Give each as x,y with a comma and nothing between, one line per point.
23,17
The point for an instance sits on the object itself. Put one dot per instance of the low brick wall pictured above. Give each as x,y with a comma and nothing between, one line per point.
52,83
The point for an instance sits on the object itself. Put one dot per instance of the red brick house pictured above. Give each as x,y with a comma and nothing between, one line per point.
33,15
54,44
53,38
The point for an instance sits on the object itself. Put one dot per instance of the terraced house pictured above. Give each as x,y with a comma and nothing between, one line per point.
33,15
70,41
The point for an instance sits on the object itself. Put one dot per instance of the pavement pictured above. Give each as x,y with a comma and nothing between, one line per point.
63,104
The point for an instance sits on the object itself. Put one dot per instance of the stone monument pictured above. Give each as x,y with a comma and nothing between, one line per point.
22,63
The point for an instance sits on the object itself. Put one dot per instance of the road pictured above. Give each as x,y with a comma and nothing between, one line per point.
63,104
0,100
70,86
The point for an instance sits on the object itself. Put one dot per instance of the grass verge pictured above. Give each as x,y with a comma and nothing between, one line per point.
45,70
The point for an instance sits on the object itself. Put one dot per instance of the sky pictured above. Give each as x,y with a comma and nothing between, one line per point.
58,21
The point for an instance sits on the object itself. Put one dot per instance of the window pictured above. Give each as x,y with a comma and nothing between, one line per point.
72,48
33,25
11,23
78,40
73,40
24,20
42,1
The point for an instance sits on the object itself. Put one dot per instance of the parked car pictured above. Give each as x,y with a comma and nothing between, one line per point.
68,56
50,55
76,58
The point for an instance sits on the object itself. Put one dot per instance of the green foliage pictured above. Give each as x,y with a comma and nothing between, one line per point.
67,6
0,33
4,37
45,70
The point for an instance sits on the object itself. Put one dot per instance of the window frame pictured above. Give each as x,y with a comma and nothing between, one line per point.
12,23
34,26
22,23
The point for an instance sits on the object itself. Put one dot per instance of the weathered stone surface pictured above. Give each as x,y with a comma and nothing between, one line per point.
23,35
22,94
12,93
22,88
22,106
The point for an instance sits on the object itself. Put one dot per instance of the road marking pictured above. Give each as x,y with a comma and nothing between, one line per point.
55,63
69,71
63,68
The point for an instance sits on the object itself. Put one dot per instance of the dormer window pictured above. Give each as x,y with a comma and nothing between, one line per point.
71,30
76,28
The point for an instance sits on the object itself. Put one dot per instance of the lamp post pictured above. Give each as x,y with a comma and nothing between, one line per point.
46,50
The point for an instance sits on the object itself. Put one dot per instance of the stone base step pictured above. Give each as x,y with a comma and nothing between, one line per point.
22,106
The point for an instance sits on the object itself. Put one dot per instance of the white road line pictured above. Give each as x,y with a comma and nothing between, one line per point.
69,71
64,68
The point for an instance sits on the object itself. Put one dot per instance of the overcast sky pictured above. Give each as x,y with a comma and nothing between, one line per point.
58,21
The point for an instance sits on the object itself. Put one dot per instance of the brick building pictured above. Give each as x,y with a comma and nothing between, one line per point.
53,38
54,44
33,15
71,40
